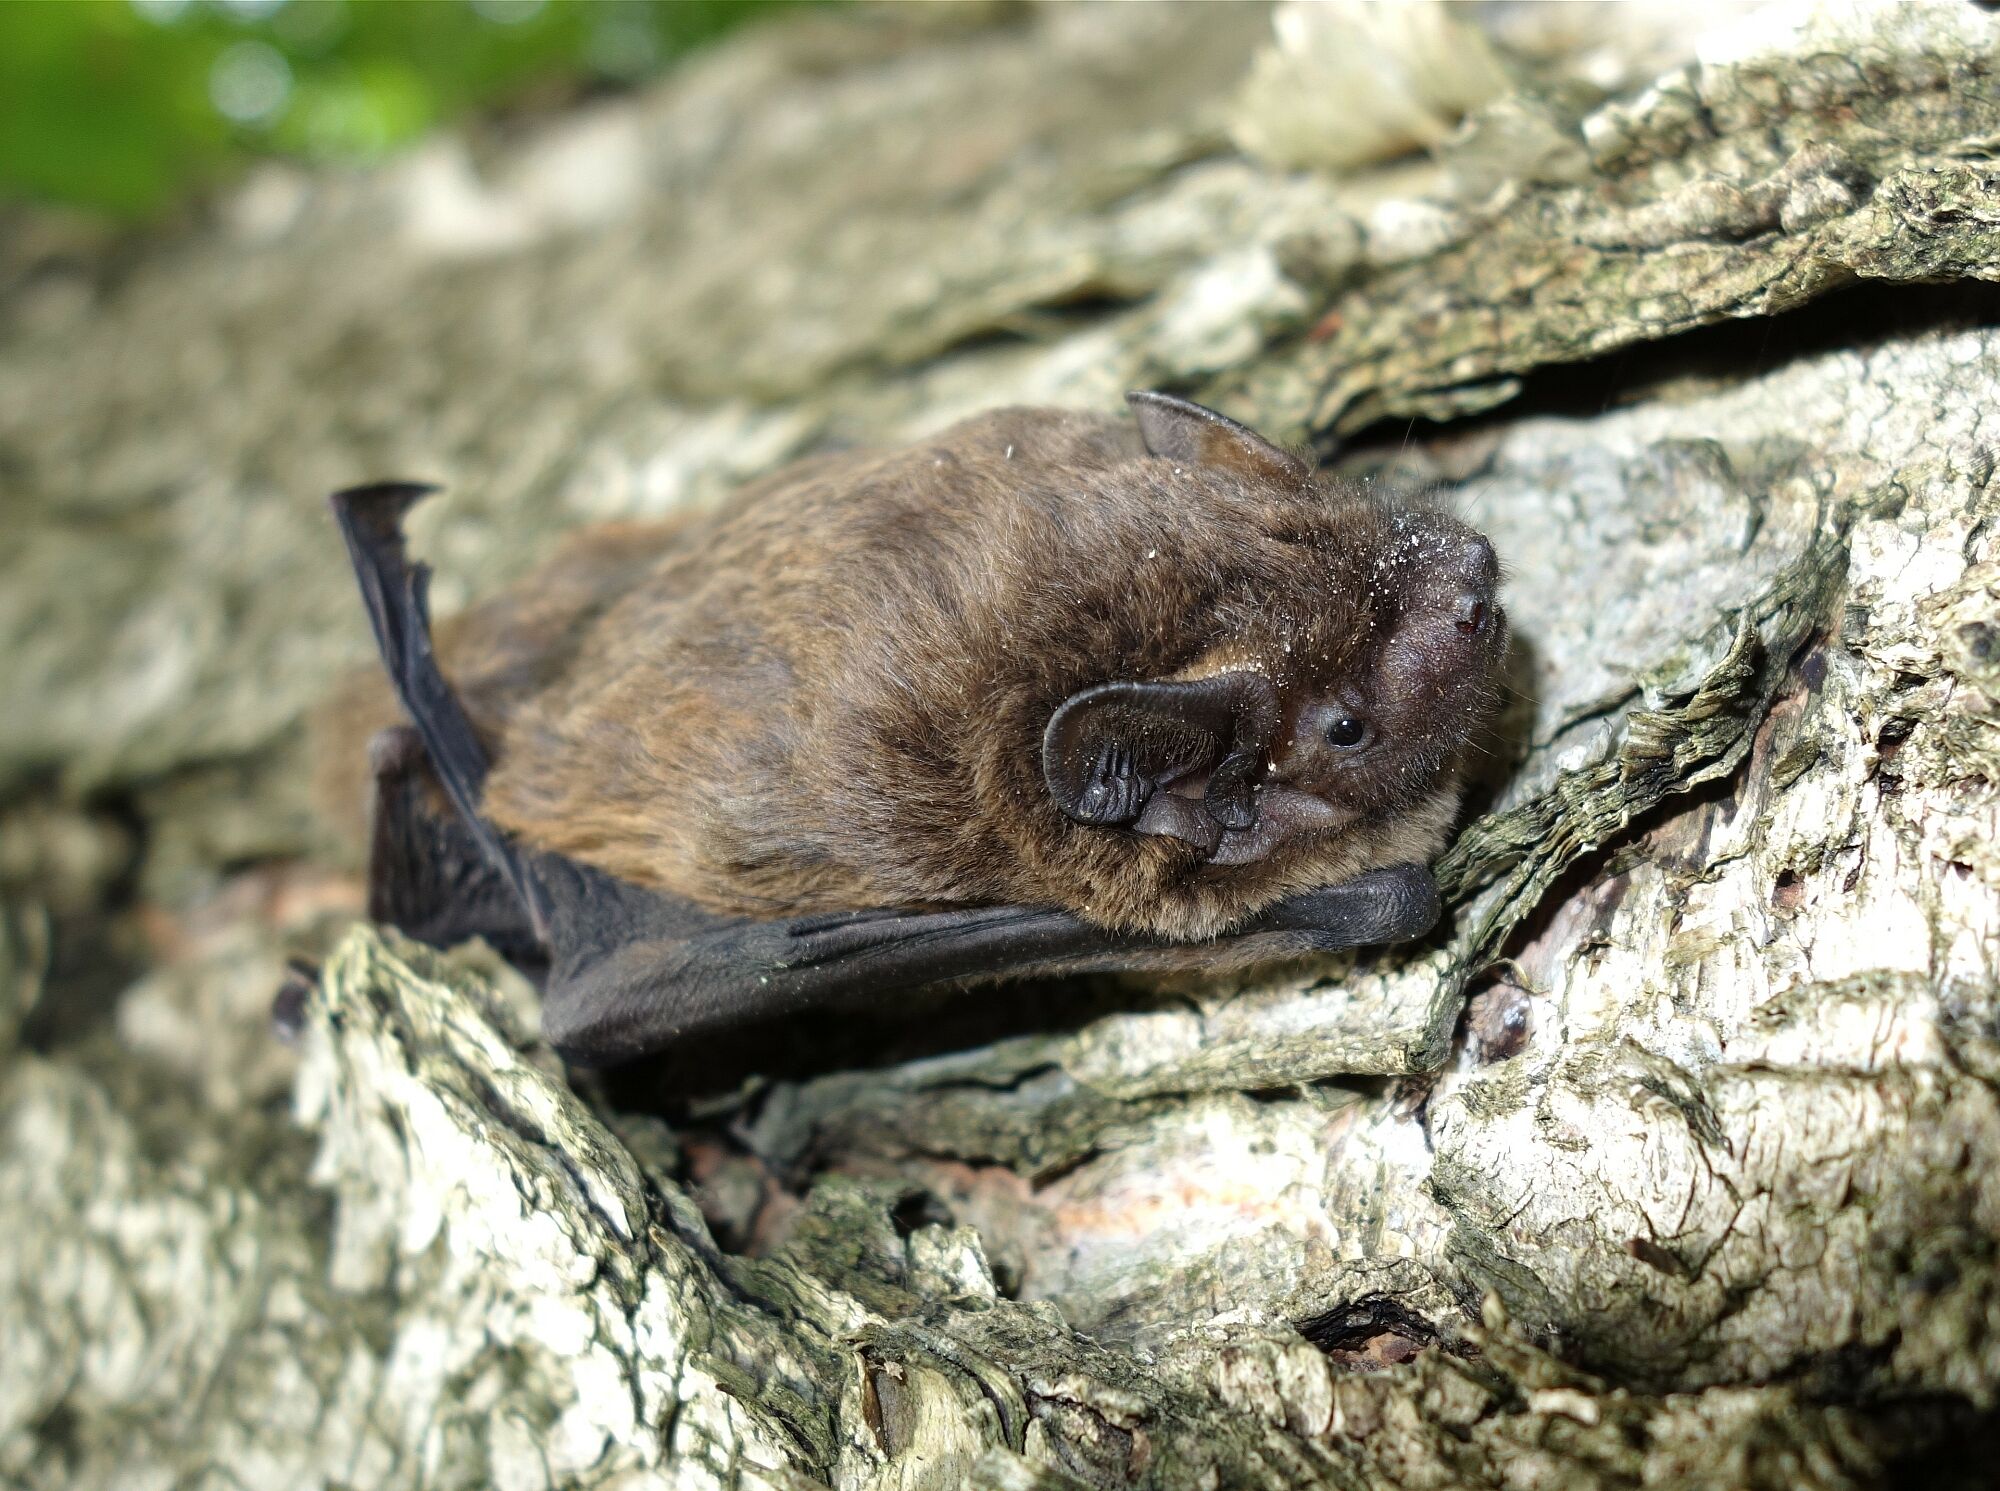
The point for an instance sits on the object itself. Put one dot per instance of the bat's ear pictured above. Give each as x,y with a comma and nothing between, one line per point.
1183,431
1109,751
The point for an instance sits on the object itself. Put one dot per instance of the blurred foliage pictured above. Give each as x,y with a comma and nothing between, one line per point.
125,105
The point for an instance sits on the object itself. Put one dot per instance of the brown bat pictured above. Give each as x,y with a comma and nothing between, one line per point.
1046,694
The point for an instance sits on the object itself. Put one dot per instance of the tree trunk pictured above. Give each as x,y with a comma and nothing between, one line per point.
1670,1160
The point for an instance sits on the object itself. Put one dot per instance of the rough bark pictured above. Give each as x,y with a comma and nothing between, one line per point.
1669,1160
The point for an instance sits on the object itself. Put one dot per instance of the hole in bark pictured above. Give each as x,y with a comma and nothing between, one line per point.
1890,738
1371,1334
918,1209
1788,891
1498,1021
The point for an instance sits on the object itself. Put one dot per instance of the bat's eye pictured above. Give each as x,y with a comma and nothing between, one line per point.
1346,730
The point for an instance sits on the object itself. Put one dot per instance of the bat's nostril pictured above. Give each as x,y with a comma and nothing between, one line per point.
1471,618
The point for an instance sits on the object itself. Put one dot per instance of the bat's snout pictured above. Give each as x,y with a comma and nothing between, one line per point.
1476,569
1476,565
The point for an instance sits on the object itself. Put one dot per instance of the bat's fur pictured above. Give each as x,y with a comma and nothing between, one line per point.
831,694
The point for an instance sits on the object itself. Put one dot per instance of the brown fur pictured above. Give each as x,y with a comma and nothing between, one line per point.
831,694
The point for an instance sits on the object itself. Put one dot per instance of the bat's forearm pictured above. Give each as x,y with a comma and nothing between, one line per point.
656,983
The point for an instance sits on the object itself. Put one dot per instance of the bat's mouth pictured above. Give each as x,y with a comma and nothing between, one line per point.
1283,814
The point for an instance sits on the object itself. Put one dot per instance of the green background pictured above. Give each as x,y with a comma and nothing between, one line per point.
125,108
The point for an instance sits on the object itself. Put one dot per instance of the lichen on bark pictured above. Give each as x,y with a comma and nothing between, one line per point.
1669,1160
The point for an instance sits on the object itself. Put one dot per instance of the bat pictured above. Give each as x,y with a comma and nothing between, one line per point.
1051,693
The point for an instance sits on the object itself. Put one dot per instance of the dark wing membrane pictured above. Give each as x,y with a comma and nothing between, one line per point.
654,972
428,874
396,594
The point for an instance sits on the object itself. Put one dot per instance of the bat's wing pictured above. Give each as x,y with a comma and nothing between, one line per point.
653,973
428,874
632,972
396,595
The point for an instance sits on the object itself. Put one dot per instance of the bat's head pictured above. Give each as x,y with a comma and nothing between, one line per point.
1355,653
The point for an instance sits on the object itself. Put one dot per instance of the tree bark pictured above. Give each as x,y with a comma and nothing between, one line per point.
1669,1160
